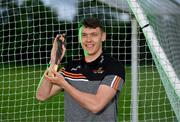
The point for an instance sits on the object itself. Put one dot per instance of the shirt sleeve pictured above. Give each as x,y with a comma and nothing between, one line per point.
114,81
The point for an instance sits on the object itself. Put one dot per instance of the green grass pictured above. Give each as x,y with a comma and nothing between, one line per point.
18,103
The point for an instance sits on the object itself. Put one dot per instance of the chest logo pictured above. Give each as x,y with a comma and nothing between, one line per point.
98,71
76,68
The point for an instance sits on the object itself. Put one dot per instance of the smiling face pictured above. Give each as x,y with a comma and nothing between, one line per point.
91,41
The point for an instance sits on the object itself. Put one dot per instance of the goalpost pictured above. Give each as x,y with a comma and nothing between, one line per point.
27,28
155,40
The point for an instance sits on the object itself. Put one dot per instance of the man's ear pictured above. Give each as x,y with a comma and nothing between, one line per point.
104,36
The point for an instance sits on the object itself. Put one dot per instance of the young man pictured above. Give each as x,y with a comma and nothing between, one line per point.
91,85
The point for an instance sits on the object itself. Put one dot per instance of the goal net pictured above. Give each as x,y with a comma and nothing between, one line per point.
27,28
159,21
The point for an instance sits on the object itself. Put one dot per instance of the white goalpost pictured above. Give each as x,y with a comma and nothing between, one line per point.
145,41
134,65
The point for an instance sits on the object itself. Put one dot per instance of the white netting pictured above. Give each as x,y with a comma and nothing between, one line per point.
160,24
27,28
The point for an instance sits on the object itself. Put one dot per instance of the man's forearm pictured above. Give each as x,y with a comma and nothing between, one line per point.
92,102
44,89
47,89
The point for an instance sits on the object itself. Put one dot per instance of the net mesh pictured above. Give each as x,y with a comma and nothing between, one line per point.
163,16
27,29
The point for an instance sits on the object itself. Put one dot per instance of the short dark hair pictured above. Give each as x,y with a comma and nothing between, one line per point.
91,22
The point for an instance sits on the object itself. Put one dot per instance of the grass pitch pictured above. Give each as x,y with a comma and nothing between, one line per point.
18,103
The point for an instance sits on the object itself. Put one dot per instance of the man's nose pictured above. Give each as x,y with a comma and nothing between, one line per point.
89,38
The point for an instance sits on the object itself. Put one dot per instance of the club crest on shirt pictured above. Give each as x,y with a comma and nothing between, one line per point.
98,71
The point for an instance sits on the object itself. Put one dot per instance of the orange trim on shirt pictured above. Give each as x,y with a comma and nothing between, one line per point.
116,82
73,75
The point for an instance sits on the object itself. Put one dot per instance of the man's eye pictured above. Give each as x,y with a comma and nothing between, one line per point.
94,34
84,35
